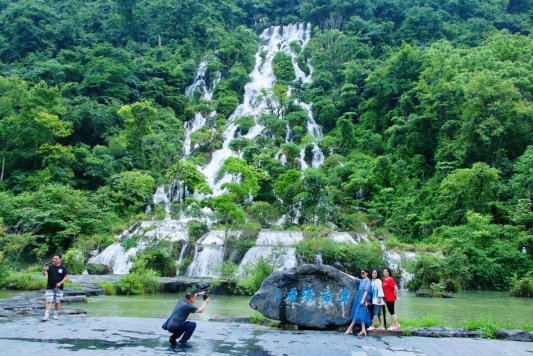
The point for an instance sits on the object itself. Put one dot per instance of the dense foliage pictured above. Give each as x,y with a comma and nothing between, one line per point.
425,105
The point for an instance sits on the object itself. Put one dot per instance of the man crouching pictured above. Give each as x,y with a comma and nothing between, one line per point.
178,324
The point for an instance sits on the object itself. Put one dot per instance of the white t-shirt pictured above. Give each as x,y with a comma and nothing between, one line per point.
377,292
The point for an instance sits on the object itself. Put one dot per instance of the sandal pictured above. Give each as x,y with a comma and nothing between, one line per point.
348,332
362,334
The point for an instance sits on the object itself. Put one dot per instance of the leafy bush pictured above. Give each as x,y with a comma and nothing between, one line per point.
108,287
245,123
522,287
429,269
24,281
130,242
184,264
485,325
158,258
74,261
137,283
196,230
97,269
282,67
255,276
344,256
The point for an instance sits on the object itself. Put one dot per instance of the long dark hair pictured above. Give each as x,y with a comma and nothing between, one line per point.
375,269
388,270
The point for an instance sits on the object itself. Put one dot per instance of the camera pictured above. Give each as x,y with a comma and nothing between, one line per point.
206,296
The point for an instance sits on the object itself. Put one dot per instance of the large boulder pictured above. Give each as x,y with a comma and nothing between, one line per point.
313,296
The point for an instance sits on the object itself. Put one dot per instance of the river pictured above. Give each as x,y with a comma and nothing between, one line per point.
497,306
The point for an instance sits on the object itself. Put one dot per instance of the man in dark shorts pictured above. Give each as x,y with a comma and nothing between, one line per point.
57,275
178,324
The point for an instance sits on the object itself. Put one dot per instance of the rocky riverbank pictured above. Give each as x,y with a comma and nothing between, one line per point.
142,336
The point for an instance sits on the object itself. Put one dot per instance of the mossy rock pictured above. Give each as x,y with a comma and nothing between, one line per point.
97,269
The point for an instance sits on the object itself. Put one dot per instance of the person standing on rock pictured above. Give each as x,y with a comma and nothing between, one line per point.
391,295
57,276
360,309
177,323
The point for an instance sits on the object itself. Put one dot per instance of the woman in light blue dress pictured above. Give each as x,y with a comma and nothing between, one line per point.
360,308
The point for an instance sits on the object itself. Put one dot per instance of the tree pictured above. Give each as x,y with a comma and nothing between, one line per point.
189,177
131,191
244,184
468,189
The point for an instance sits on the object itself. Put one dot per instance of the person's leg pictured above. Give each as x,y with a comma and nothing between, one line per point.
394,323
381,322
350,328
48,300
189,327
375,317
176,334
363,329
58,295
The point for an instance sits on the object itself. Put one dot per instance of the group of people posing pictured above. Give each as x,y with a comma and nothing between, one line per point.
370,301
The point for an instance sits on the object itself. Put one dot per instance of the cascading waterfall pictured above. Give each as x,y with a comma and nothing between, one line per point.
208,251
276,38
200,84
395,261
278,246
208,255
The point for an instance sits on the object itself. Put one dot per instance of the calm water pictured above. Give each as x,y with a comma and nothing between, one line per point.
466,305
6,294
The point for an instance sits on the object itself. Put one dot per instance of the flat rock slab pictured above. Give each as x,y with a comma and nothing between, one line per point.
112,336
312,296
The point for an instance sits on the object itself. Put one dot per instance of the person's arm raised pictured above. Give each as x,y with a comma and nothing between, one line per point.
203,306
348,275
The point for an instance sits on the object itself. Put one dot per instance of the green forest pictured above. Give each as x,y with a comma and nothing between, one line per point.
426,108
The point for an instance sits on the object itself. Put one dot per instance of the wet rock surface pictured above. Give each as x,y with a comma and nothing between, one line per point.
514,335
426,293
312,296
32,303
143,336
439,331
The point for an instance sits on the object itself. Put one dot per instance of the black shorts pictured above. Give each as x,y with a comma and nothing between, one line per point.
390,307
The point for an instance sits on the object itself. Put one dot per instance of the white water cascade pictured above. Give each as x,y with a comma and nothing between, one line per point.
200,84
396,261
208,255
276,38
277,246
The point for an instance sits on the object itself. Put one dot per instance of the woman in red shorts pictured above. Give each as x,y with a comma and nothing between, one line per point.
390,290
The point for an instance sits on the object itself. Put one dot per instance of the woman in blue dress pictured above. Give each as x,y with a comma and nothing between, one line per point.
360,310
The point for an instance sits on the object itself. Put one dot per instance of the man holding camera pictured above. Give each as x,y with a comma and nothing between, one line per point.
57,275
178,325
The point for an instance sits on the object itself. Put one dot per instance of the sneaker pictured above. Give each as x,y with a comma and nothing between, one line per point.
56,316
46,317
392,328
380,328
370,328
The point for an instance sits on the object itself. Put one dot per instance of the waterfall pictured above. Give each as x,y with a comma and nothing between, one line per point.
342,237
262,77
208,255
200,120
277,246
394,260
116,257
